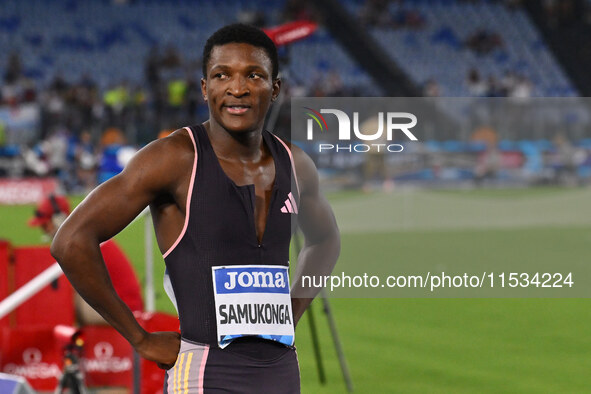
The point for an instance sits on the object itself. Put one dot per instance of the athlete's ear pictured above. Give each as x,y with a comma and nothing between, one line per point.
204,88
276,88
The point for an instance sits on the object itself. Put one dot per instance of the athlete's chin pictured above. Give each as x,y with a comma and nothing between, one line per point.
239,125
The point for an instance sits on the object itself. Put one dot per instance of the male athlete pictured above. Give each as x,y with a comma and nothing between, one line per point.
222,195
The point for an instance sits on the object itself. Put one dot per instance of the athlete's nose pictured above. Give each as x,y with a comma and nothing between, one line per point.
238,87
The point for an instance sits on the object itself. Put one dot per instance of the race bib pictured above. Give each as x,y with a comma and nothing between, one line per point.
252,300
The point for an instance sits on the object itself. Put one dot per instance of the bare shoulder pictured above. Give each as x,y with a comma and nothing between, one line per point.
177,146
165,160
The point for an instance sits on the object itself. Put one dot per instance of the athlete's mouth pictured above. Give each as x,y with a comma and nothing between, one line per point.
237,109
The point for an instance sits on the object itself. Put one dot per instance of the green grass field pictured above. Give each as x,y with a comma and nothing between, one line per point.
410,345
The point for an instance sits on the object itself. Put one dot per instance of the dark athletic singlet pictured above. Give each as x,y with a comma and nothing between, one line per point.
220,230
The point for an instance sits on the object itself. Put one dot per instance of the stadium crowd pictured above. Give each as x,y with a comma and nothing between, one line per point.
82,127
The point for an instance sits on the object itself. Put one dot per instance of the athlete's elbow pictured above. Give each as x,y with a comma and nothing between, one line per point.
59,247
64,245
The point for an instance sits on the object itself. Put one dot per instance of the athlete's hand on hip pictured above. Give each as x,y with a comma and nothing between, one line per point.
161,347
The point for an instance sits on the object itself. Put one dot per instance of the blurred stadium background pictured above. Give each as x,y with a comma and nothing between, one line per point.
87,83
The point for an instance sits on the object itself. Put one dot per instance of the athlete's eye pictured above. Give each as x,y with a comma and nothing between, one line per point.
255,76
220,75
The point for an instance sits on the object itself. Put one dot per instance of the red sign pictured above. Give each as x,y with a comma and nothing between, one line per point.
25,190
30,352
291,32
108,358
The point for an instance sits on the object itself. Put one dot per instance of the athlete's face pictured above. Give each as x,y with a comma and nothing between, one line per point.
239,86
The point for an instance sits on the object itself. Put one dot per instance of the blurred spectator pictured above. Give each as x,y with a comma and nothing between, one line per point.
16,88
511,84
493,88
49,156
85,157
508,82
35,164
476,85
114,154
522,88
58,84
483,41
112,136
11,93
564,161
177,92
55,149
77,106
488,165
431,88
117,100
29,91
171,58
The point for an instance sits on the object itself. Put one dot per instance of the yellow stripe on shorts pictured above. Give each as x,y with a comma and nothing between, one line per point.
174,378
187,369
179,373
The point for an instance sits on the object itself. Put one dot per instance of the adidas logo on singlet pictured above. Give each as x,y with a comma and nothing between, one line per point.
289,206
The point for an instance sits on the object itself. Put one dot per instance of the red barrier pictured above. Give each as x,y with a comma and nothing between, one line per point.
36,354
51,306
6,277
108,358
31,352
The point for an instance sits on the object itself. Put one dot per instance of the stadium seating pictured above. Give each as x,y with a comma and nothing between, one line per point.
436,50
110,42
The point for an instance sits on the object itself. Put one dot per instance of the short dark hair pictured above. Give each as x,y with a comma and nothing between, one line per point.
241,33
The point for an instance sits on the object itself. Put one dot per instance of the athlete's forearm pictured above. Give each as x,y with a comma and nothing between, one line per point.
314,260
81,260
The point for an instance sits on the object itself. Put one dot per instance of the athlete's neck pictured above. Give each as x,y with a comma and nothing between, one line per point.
228,145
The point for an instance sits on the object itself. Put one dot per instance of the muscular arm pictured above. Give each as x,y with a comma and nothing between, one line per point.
153,172
322,242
